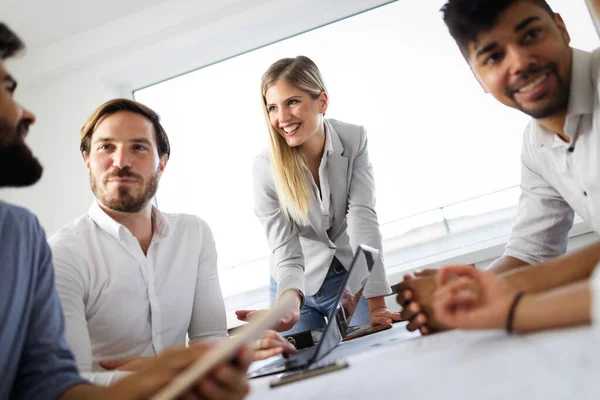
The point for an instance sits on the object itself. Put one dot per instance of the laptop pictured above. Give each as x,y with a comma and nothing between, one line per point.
335,327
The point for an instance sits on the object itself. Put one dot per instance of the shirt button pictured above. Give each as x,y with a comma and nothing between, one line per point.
585,193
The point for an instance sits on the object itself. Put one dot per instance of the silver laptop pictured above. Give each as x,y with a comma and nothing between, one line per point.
335,327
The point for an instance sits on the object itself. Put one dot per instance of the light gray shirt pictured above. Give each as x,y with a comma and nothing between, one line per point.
301,255
555,180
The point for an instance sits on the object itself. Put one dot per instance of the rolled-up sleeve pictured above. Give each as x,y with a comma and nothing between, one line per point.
543,220
363,227
282,233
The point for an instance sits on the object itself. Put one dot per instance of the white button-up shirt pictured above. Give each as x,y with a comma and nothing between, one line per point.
559,177
119,302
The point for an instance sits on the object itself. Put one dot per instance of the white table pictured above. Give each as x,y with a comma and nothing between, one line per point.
395,364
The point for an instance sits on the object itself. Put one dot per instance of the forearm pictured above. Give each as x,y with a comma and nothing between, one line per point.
505,264
298,296
561,307
85,391
376,302
560,271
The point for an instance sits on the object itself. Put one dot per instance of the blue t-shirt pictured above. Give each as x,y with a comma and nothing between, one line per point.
35,361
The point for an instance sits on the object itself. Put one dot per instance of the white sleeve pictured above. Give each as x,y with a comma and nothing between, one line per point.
72,287
543,220
208,313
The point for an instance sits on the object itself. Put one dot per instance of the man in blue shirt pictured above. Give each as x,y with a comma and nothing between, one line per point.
35,361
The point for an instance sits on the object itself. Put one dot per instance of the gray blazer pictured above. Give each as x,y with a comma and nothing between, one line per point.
301,255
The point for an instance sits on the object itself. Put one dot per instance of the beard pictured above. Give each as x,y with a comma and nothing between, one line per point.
18,165
557,101
125,200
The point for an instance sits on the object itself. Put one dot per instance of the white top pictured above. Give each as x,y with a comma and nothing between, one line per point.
119,302
554,180
323,194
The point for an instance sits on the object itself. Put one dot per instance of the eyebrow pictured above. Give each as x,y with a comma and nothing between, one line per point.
519,27
108,139
523,24
288,99
486,49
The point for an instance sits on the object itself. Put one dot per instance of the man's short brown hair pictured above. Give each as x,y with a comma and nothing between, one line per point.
116,105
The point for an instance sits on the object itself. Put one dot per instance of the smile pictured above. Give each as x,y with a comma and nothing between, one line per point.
291,129
532,85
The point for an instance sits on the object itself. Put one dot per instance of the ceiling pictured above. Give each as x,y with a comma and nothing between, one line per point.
40,22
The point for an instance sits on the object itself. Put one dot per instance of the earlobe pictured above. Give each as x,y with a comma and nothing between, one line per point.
324,102
86,159
163,163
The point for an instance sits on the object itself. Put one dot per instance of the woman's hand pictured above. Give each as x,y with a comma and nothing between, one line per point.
380,314
473,300
289,319
272,344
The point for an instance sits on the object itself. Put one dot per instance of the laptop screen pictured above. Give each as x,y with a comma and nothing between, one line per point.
363,261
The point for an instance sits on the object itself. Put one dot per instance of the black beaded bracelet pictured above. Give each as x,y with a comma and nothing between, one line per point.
511,311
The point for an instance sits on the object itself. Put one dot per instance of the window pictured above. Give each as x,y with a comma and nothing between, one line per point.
446,156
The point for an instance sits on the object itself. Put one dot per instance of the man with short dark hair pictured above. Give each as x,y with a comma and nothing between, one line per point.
36,361
519,52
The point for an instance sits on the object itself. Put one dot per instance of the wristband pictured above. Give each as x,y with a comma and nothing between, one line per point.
511,311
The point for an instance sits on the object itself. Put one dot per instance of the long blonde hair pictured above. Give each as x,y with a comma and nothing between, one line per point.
287,163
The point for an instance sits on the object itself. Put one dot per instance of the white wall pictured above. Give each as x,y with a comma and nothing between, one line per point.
64,81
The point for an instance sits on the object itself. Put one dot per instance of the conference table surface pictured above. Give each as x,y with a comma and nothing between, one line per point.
458,364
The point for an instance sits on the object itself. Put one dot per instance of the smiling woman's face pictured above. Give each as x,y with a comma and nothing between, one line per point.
293,113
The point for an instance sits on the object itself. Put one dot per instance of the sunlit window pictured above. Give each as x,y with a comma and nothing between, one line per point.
445,155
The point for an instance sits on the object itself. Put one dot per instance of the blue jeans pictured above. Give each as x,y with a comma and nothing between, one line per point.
317,307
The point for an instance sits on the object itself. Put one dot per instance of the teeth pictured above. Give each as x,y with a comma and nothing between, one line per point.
533,84
291,128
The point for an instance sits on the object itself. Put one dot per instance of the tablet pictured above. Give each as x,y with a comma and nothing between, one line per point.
224,351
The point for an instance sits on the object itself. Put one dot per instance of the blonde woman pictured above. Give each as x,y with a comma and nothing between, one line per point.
314,194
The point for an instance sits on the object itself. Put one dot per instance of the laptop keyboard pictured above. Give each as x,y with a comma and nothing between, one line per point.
301,358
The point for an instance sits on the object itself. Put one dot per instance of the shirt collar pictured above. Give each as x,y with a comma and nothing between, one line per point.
333,143
581,100
119,231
